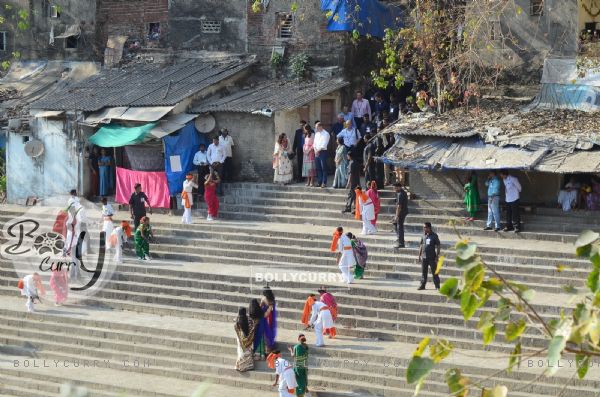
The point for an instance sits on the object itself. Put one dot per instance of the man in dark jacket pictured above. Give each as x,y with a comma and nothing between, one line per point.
297,148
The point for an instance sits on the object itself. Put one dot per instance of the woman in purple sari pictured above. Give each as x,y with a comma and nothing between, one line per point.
268,306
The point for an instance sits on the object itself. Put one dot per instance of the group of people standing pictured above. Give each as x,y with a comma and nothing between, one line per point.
351,253
256,330
494,182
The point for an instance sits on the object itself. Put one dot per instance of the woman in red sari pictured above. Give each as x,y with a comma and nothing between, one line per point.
210,195
374,196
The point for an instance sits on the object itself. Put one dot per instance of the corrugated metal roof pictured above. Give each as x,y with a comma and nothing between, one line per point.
476,155
143,85
273,95
427,124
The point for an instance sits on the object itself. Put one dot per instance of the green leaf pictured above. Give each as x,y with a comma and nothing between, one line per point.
440,350
593,280
485,320
421,347
294,7
457,383
468,304
489,334
449,287
555,348
474,277
583,252
466,264
201,390
586,238
569,289
514,329
497,391
583,364
465,250
515,357
418,369
519,10
528,295
494,284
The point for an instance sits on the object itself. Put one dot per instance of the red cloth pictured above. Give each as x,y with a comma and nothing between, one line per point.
154,184
212,201
374,196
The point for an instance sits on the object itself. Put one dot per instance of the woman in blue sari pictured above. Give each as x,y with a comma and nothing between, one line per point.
258,317
104,166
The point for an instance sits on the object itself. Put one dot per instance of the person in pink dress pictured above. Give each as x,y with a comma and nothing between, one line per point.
59,283
374,196
210,195
309,169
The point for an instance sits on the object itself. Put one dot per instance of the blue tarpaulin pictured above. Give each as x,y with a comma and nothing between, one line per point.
367,17
179,155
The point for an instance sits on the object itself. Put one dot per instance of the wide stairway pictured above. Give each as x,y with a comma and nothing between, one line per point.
162,328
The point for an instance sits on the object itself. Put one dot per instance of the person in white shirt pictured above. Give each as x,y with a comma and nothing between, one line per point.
187,198
360,107
118,238
216,158
350,135
32,289
107,217
320,146
322,320
201,163
285,378
345,256
513,195
226,142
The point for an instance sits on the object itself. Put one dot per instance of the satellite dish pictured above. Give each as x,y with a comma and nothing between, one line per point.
34,148
205,123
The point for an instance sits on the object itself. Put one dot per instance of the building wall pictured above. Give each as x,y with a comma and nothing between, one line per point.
538,187
309,34
131,18
54,173
584,16
34,42
186,19
554,33
254,138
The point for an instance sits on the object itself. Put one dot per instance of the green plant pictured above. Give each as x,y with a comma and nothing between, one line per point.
299,64
276,60
577,332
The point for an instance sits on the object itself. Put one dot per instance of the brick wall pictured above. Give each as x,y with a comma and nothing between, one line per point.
131,18
309,34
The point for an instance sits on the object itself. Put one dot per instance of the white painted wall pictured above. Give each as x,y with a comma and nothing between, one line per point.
54,173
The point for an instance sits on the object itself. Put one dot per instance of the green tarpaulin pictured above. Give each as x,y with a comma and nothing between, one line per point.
115,135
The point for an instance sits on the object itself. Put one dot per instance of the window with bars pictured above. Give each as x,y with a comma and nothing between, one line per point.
285,25
495,30
2,41
537,7
211,26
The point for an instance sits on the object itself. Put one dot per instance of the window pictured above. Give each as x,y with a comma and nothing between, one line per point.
537,7
71,42
154,31
284,29
211,27
495,30
54,12
2,41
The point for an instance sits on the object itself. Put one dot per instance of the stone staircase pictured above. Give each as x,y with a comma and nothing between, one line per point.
176,313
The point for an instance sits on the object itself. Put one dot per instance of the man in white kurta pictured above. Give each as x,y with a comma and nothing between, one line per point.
284,370
321,319
118,237
187,199
107,215
75,224
346,258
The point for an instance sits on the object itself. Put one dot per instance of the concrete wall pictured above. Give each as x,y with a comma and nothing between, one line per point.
254,138
538,187
185,21
54,173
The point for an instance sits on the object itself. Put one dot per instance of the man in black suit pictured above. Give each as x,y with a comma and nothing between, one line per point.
353,182
297,147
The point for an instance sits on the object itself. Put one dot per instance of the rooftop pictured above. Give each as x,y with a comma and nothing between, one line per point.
143,85
273,95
